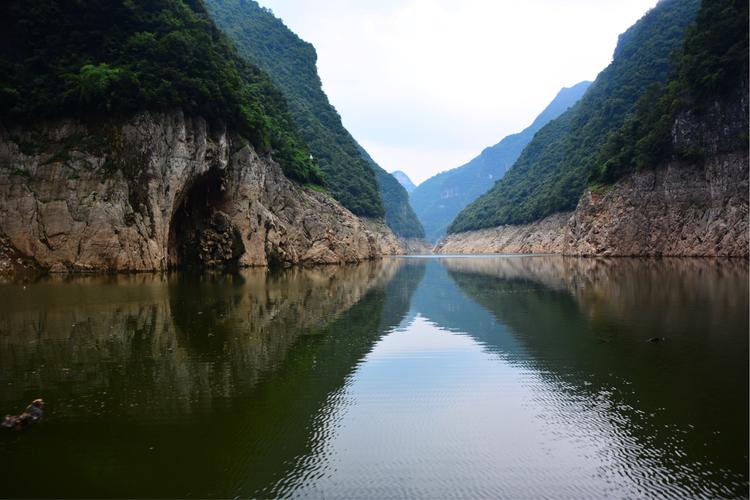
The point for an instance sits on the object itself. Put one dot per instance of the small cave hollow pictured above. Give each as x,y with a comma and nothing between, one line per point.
201,234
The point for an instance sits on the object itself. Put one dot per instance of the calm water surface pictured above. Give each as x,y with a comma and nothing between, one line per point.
436,377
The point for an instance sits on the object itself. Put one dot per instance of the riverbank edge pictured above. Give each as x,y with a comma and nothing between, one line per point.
118,195
677,210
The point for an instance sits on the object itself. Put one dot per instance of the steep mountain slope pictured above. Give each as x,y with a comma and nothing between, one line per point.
554,168
673,180
398,212
134,137
712,69
438,199
404,180
353,179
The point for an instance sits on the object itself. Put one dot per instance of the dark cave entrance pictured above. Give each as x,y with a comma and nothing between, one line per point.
201,234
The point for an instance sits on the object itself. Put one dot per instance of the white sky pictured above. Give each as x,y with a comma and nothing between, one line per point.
425,85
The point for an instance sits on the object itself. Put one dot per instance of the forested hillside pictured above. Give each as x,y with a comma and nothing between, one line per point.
87,58
438,199
399,215
555,167
353,178
712,66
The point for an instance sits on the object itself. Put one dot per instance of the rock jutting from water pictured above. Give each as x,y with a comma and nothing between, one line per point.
161,190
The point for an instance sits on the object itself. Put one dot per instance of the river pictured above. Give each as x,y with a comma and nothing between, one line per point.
439,377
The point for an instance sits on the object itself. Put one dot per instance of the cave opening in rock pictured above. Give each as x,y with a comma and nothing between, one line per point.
201,234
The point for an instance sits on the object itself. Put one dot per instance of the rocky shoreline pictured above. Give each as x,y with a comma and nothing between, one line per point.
680,210
161,190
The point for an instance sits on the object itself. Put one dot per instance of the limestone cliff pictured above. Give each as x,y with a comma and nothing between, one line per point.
160,190
544,236
681,209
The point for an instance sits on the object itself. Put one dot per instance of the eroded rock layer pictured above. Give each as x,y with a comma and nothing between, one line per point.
544,236
163,190
679,210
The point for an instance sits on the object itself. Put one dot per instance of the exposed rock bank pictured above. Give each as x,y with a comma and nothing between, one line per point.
677,210
544,236
163,190
680,210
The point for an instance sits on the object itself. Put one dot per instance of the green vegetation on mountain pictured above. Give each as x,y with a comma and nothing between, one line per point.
438,199
554,168
712,64
93,57
399,215
264,40
353,179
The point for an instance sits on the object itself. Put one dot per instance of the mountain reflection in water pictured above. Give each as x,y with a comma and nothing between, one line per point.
470,377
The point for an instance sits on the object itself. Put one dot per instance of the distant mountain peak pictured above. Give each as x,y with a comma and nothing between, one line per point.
440,198
404,180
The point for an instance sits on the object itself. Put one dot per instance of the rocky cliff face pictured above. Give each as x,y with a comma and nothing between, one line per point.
682,208
544,236
163,190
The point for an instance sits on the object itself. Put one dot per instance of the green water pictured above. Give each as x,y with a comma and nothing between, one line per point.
409,377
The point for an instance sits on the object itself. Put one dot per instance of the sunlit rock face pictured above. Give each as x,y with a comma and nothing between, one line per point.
163,190
679,210
682,208
543,236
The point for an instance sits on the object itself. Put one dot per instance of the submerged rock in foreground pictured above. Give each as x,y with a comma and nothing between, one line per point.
163,190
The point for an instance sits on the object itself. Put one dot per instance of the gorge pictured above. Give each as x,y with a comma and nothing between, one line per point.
213,289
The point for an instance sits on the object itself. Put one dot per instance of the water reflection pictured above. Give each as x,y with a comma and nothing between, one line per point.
533,377
681,404
463,377
183,385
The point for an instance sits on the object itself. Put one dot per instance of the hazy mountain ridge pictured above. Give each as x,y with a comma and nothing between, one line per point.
399,215
440,198
404,180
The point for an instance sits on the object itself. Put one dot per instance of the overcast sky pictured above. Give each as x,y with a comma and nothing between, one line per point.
425,85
